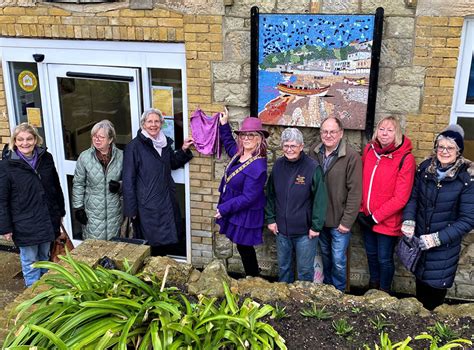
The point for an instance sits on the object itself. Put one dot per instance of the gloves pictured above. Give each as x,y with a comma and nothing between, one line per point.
429,241
408,228
114,186
366,220
81,216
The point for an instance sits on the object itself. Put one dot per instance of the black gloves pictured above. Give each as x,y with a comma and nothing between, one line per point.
81,216
366,221
114,186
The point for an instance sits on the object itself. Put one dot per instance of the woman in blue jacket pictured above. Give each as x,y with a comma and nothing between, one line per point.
149,192
440,212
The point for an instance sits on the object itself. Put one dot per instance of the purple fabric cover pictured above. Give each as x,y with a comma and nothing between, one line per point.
243,201
205,131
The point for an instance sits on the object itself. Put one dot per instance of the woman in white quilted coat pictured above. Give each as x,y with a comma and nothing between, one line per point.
97,185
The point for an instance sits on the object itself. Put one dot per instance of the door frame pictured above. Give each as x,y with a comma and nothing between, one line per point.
142,56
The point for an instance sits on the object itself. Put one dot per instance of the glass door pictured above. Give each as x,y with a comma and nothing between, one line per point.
80,97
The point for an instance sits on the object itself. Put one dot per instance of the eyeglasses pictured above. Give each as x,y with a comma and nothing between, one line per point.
248,135
329,132
99,137
449,149
290,147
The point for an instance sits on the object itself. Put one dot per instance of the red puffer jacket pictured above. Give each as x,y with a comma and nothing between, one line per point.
386,186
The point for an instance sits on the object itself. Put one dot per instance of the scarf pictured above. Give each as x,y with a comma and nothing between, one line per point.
32,160
104,159
205,131
385,150
159,143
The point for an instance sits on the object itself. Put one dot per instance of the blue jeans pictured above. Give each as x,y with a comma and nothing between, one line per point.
305,250
379,249
333,245
30,255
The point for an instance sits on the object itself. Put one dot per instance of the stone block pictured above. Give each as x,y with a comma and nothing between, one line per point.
141,4
291,6
237,46
399,27
233,23
413,76
390,7
396,52
336,6
242,8
400,99
236,94
226,72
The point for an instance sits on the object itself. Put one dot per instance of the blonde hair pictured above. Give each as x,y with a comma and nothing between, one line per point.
24,127
396,124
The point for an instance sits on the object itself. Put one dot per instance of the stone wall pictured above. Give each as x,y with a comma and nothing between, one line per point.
417,71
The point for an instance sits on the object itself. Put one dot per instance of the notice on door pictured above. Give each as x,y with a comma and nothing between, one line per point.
27,81
34,117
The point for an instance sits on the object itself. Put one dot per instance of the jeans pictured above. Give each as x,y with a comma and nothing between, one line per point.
334,245
305,250
379,249
30,255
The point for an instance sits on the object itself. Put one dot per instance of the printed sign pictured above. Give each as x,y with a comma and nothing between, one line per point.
27,81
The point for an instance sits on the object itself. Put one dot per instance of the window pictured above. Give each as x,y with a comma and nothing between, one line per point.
462,111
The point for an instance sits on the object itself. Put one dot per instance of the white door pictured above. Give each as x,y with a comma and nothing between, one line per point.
80,97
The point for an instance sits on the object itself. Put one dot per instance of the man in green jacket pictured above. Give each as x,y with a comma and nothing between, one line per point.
342,167
296,207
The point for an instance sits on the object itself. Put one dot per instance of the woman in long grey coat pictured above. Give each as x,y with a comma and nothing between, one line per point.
96,185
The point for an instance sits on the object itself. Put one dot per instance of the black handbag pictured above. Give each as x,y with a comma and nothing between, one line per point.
409,251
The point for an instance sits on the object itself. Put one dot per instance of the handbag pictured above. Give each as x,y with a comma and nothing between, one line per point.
409,252
59,246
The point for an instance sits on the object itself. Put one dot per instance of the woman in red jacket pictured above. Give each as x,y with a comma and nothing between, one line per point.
387,180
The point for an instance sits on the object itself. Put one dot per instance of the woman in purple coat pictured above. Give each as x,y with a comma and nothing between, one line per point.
240,211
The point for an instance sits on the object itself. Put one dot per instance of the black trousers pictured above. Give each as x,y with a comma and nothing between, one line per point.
430,297
249,259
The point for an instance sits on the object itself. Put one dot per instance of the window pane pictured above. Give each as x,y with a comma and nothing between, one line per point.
468,126
27,94
470,85
167,95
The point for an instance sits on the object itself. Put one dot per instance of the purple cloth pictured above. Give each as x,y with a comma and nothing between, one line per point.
205,131
31,161
243,201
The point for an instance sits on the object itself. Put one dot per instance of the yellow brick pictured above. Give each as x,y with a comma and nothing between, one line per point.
209,19
120,21
206,169
212,38
195,226
198,46
27,19
215,28
453,42
49,20
54,11
445,100
7,19
36,11
163,34
176,15
432,82
205,73
194,182
195,239
201,205
171,32
198,64
440,72
432,21
442,119
196,212
456,21
187,36
199,82
40,30
170,22
144,22
116,33
97,21
216,47
17,11
123,33
446,82
139,33
422,32
179,34
157,13
420,52
438,42
70,31
47,30
203,90
77,32
430,100
33,31
442,91
439,31
132,13
55,31
447,52
454,31
189,19
196,197
93,32
147,33
196,28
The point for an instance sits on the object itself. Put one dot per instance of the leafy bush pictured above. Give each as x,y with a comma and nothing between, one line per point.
86,308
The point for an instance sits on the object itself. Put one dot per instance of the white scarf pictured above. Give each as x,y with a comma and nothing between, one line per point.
159,143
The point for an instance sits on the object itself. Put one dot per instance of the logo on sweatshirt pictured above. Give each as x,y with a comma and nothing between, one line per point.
300,180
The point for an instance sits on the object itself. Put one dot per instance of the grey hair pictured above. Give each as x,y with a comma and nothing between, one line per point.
108,128
446,138
148,112
336,120
292,134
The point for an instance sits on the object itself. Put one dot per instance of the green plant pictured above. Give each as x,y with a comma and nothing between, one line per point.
87,308
386,343
454,343
379,322
320,314
342,327
356,310
443,332
279,312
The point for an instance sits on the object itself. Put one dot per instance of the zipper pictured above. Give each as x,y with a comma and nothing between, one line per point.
371,182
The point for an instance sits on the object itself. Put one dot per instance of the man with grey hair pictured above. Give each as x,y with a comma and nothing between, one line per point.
342,167
296,207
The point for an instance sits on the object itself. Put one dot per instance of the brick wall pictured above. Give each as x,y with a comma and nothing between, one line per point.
437,41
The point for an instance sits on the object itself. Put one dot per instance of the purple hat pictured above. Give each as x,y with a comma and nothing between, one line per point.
252,124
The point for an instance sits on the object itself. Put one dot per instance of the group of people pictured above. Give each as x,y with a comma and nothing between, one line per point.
308,200
317,198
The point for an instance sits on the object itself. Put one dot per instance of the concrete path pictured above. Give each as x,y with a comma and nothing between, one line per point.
11,279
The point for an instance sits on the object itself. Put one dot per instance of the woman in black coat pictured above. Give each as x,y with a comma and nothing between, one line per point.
440,212
149,192
31,199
